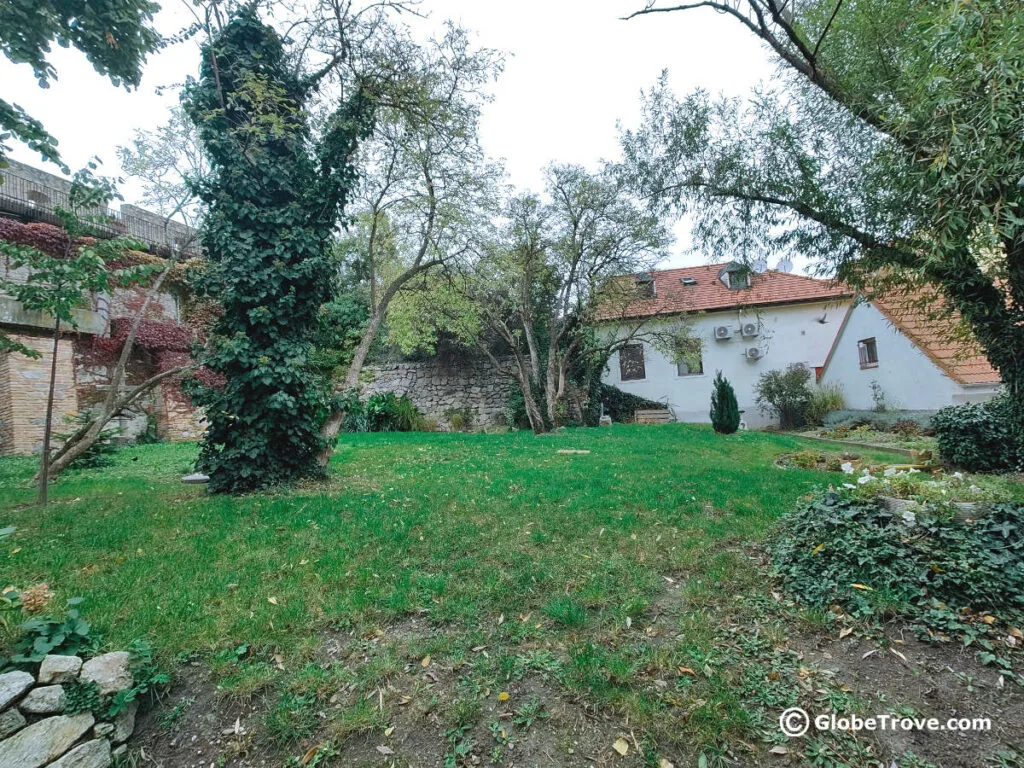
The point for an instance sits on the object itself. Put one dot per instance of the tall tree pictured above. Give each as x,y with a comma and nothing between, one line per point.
115,36
892,153
273,200
554,292
427,190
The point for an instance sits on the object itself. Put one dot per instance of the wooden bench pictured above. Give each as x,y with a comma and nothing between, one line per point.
653,416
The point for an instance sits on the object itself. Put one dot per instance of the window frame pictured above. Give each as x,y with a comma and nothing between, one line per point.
867,352
690,375
624,364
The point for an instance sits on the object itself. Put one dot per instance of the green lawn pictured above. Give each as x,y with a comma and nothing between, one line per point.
494,540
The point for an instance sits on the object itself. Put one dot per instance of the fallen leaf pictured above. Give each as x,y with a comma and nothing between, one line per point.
817,549
862,586
1016,633
869,653
894,652
388,731
778,750
621,746
426,661
988,619
629,622
844,632
687,671
272,600
664,763
384,750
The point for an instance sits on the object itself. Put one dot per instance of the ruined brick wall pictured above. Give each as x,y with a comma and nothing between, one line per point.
24,383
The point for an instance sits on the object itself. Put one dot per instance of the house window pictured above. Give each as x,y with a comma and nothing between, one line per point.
631,363
645,287
739,280
868,352
692,366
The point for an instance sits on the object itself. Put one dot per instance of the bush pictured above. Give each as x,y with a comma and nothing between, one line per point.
979,436
725,411
824,400
883,421
460,419
855,553
101,452
381,412
622,405
785,394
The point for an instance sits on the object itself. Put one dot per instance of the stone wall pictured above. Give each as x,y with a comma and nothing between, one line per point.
439,387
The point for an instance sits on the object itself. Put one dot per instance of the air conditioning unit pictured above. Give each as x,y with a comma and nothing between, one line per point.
753,353
749,330
723,332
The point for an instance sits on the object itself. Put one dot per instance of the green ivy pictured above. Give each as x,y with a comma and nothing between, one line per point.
274,200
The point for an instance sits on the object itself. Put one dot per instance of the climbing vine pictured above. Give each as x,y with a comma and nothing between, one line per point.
273,200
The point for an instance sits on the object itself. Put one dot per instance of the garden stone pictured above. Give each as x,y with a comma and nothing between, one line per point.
103,729
91,754
48,700
44,741
110,672
12,685
10,721
197,478
120,751
59,669
124,723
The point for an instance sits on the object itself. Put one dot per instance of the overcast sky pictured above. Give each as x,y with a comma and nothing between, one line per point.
574,70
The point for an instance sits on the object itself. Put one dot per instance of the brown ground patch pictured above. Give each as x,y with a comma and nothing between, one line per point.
936,680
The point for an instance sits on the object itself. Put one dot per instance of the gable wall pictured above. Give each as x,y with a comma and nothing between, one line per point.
906,375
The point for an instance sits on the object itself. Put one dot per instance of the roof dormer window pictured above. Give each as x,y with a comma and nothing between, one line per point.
645,286
735,276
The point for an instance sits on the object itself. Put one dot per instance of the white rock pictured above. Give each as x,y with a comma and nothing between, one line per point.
91,754
59,669
12,686
110,672
47,700
10,721
44,742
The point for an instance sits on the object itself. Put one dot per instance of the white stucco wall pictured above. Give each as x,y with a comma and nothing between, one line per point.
789,334
907,377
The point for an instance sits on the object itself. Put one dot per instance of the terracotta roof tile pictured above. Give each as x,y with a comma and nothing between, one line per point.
710,293
962,361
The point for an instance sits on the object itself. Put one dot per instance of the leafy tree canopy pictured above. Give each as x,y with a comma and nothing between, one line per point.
115,36
890,153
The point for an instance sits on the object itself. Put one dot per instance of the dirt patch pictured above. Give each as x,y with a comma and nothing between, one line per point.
907,676
408,717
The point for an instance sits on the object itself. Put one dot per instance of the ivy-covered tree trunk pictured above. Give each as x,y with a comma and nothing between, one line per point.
273,205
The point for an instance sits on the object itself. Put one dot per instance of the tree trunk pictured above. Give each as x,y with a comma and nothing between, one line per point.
44,464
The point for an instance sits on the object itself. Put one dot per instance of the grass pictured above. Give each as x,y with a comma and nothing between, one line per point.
559,564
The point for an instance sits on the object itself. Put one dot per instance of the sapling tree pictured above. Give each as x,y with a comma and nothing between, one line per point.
61,282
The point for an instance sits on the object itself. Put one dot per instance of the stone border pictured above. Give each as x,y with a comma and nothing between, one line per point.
36,732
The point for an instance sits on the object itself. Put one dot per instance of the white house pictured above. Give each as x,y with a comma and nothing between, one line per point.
894,349
748,323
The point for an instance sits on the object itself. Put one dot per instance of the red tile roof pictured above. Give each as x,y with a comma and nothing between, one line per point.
710,293
961,360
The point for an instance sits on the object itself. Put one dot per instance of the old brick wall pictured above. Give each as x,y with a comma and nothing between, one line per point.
24,383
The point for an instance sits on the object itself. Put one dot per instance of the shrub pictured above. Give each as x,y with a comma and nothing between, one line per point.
979,436
622,405
785,394
381,412
942,572
824,400
725,411
461,419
